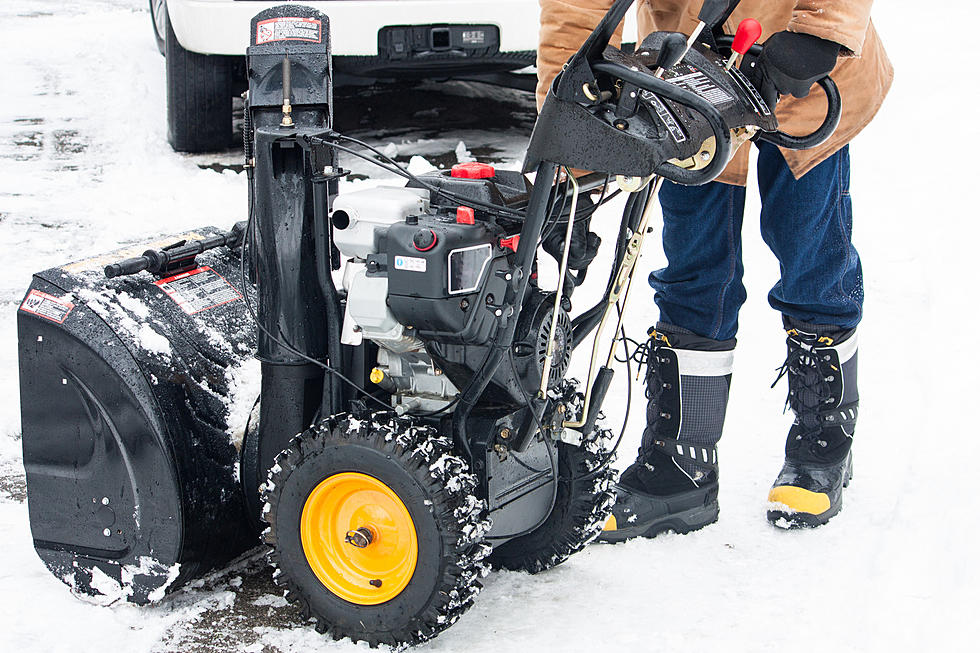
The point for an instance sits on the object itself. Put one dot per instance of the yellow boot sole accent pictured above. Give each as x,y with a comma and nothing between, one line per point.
799,500
610,523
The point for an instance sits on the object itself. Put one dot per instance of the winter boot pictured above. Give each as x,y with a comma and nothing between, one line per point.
821,364
673,485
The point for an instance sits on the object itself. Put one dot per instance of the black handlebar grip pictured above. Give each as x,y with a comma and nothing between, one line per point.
126,266
822,133
599,388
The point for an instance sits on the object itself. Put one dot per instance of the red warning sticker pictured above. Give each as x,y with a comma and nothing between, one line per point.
44,305
198,290
288,29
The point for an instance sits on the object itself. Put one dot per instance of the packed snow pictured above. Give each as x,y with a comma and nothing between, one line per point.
85,169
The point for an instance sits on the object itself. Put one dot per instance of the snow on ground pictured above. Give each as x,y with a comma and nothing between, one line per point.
84,168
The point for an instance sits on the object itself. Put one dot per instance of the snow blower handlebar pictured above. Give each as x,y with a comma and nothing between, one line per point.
176,258
652,112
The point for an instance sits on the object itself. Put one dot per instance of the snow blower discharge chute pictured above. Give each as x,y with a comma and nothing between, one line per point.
413,424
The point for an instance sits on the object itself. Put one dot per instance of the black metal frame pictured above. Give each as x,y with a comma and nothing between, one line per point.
566,127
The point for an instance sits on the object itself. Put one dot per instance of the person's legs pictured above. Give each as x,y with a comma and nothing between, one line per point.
701,288
673,484
807,224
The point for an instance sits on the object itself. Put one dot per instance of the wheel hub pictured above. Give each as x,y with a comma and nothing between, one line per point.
359,538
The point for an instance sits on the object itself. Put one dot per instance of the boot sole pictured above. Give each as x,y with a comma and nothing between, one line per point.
682,523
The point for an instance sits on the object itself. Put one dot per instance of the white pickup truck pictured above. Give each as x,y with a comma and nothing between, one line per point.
204,42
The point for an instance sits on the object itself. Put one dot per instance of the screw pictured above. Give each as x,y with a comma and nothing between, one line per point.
105,501
620,124
107,532
504,433
375,583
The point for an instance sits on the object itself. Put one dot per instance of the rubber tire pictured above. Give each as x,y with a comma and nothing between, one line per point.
199,106
582,505
160,36
436,488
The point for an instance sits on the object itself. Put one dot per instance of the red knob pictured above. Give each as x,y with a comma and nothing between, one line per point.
748,32
465,215
473,170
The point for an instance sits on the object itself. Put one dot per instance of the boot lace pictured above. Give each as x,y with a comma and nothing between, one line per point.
809,389
645,353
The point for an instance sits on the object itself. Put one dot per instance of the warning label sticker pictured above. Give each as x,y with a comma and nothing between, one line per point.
288,29
698,83
44,305
198,290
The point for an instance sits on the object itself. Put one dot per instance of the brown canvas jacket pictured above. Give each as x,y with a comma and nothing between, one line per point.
863,73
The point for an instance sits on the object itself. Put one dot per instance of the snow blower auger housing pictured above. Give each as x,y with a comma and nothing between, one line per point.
415,422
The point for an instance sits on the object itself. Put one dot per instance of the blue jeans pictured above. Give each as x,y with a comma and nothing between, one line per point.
805,222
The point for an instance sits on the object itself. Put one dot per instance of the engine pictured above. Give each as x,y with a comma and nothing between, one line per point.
425,276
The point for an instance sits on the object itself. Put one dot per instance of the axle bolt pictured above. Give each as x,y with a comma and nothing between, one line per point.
360,539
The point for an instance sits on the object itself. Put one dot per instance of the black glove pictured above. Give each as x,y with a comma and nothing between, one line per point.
791,63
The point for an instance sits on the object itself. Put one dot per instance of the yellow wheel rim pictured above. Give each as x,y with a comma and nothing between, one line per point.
359,538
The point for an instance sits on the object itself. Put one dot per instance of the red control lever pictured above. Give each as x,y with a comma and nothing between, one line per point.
748,32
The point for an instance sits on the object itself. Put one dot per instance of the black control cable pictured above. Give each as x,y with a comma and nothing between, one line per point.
281,341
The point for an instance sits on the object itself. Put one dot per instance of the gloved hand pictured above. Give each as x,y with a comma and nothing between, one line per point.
790,63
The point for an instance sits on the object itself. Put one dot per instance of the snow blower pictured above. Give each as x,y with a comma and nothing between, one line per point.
414,424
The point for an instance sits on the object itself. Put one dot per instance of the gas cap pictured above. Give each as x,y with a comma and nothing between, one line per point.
424,240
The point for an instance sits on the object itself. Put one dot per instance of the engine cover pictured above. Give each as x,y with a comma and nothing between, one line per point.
446,279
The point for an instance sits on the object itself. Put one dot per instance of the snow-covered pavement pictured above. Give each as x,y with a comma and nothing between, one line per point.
84,168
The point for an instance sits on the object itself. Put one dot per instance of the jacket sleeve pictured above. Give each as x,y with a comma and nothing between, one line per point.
565,24
840,21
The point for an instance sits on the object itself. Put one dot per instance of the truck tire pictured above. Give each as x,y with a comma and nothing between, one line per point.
199,90
158,19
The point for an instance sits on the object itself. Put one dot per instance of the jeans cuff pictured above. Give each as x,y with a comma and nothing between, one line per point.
835,331
687,339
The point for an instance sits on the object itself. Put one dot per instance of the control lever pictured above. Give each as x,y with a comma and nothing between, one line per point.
748,32
672,51
178,257
712,12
